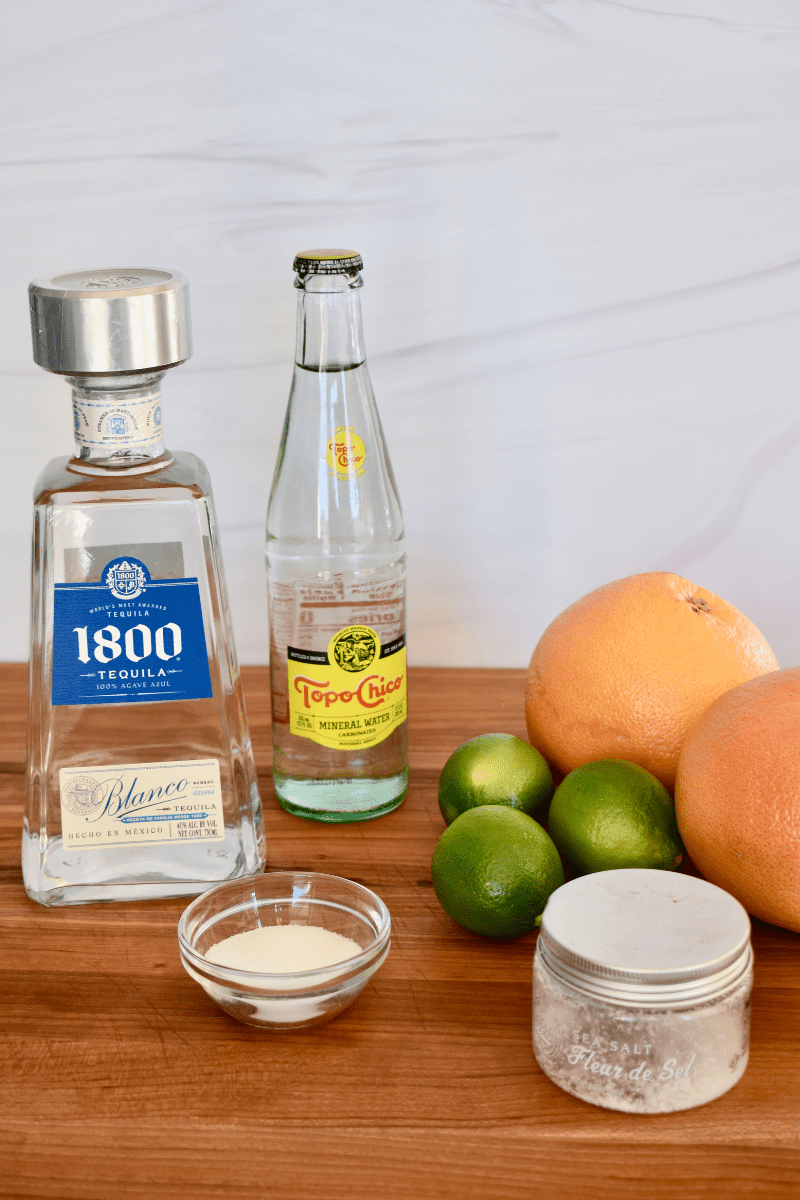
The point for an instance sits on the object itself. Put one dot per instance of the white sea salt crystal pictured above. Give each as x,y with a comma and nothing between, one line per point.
282,949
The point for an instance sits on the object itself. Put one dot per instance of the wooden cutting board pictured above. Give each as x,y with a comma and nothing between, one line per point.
121,1080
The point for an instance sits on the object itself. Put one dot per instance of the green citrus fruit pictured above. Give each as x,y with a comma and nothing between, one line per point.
495,768
493,871
614,814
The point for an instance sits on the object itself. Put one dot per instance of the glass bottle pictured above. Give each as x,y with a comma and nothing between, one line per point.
141,781
335,569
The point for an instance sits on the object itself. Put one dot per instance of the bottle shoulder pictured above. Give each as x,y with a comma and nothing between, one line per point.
69,478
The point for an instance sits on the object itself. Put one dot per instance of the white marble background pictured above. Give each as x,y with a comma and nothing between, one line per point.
580,221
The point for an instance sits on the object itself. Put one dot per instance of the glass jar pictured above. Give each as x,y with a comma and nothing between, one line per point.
641,990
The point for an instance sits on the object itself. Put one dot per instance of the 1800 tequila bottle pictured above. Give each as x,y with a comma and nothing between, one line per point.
141,780
335,569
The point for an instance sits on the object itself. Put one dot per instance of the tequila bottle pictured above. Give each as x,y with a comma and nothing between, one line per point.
141,780
335,569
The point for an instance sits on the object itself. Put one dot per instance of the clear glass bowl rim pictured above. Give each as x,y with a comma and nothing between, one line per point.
234,973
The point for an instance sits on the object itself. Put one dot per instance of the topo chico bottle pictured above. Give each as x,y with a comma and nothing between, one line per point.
335,569
141,780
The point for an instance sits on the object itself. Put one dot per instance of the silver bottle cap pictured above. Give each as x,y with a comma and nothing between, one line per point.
645,937
110,322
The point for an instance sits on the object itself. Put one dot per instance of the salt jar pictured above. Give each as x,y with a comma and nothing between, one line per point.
641,990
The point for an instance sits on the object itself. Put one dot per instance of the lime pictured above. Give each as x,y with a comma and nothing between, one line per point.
493,870
495,768
614,814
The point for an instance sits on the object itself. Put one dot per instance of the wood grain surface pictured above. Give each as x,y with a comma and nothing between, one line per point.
121,1080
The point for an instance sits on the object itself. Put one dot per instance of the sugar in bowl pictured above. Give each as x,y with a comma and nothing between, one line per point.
286,949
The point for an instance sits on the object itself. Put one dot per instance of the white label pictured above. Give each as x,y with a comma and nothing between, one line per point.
129,422
140,803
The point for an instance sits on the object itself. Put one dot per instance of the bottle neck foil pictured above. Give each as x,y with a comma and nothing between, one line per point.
117,418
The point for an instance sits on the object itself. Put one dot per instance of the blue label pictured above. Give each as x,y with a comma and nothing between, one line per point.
128,638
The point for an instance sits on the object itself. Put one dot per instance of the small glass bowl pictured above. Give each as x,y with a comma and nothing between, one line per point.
292,1000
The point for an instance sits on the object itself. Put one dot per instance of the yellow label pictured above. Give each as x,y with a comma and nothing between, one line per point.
353,696
346,454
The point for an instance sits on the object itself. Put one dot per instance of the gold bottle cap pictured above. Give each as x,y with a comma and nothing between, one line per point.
328,262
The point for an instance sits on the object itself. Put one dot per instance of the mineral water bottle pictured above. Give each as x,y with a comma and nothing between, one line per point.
141,780
335,569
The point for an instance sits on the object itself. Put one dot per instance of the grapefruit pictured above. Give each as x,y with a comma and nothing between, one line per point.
628,669
737,796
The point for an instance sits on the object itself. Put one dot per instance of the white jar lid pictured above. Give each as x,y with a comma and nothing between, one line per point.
639,936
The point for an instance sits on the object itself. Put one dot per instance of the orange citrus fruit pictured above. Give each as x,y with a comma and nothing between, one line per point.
737,796
627,670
